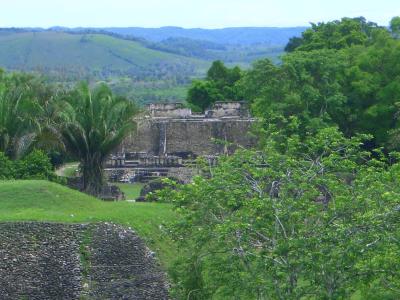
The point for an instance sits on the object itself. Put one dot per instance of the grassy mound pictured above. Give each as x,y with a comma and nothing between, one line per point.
35,200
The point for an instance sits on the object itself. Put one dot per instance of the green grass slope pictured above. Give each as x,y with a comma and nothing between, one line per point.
90,54
35,200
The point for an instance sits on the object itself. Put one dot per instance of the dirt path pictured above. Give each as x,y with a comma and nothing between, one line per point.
61,170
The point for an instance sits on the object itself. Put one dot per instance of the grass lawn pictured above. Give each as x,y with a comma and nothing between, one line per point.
36,200
131,190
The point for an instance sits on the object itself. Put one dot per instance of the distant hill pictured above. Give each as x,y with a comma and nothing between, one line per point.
232,54
128,66
240,45
272,36
82,55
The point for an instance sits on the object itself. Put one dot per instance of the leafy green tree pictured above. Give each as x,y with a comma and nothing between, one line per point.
355,87
372,87
219,85
334,35
307,86
294,43
202,94
258,79
224,79
94,123
310,214
309,222
395,26
217,72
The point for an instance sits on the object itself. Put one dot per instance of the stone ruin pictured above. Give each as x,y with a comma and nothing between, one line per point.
169,137
47,261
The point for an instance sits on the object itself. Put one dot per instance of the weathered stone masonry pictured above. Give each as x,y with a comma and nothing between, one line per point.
160,137
177,131
169,136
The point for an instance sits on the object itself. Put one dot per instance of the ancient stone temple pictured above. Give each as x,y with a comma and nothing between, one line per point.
170,136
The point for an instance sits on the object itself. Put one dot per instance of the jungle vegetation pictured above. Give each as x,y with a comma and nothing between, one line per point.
314,211
84,123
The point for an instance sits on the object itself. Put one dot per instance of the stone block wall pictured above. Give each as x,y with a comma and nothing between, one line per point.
200,137
228,109
169,110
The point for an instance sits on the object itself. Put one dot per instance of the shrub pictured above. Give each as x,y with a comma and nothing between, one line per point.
6,167
35,165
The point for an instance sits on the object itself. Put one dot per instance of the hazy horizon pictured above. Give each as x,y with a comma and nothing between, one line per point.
165,26
190,14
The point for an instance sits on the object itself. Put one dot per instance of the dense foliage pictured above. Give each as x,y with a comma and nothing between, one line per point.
320,221
313,212
24,113
343,73
36,165
334,35
219,85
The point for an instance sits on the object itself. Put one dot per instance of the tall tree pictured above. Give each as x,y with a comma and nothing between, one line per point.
219,85
312,222
355,87
395,26
202,94
334,35
95,123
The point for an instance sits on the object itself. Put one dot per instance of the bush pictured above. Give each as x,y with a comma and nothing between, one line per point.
7,170
35,165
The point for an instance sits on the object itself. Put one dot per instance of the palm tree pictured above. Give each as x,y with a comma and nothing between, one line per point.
28,115
19,114
94,123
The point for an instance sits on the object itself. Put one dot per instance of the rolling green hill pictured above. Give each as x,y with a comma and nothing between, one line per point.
147,71
34,200
128,66
90,54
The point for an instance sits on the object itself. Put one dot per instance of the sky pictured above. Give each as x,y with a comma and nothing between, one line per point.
189,13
